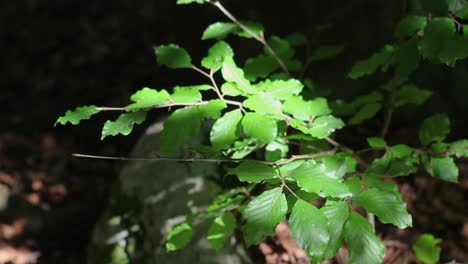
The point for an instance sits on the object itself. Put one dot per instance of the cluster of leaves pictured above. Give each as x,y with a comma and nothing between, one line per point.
260,108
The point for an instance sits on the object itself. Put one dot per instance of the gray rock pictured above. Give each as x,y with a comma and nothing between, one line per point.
149,198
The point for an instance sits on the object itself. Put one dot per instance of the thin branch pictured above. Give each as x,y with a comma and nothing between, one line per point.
248,31
390,108
213,160
347,149
195,68
156,106
283,183
215,85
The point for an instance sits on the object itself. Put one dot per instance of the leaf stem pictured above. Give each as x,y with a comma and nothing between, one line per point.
283,183
248,31
390,108
195,68
215,85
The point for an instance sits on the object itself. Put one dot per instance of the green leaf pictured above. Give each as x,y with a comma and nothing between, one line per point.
370,65
184,2
179,237
342,108
224,131
298,107
410,25
260,67
434,128
386,205
276,150
254,27
281,47
147,98
222,228
376,142
172,56
323,126
440,42
212,109
216,55
459,148
263,214
309,228
427,249
306,110
373,97
182,125
188,94
363,245
390,165
75,116
280,89
312,177
326,52
251,171
219,30
296,39
368,111
443,168
231,73
436,7
401,151
260,126
263,103
335,166
457,5
123,125
230,89
407,58
410,94
337,214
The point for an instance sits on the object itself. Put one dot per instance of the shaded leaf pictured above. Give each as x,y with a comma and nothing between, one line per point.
337,214
443,168
370,65
410,94
376,142
366,112
260,67
172,56
309,228
222,228
459,148
182,125
224,130
179,237
434,128
386,205
410,25
363,245
326,52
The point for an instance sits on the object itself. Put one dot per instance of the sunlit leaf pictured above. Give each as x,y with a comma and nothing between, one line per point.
75,116
179,237
123,124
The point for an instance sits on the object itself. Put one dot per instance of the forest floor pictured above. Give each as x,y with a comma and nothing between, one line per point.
51,202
